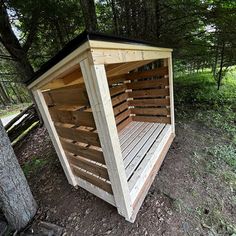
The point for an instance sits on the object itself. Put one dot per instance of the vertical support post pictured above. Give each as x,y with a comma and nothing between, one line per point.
53,135
168,62
99,95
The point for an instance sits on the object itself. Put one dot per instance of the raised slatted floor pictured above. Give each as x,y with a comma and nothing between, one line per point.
138,142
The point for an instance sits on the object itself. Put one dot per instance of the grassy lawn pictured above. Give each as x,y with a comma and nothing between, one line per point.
199,102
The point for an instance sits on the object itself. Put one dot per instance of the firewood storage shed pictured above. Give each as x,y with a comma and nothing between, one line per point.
107,103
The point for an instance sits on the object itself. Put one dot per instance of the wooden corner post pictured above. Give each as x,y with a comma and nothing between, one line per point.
168,62
53,135
99,95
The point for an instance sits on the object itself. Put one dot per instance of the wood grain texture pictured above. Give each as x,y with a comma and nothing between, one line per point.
149,93
79,118
79,135
160,71
148,84
150,102
100,171
85,152
157,119
92,179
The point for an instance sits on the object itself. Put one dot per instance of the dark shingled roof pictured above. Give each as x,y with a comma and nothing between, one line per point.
75,43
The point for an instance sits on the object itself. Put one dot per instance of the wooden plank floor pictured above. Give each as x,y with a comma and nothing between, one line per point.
136,140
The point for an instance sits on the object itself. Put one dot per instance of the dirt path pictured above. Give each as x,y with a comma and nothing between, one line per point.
188,196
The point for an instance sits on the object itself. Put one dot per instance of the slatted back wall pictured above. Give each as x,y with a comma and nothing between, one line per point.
119,97
72,116
149,95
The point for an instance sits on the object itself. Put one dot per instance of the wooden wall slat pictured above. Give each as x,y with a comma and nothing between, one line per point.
157,119
72,117
85,152
71,95
160,71
118,89
150,111
92,179
149,93
123,124
92,167
118,109
118,99
116,79
76,134
122,116
148,83
150,102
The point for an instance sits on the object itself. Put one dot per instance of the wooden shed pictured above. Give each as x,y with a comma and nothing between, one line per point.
107,103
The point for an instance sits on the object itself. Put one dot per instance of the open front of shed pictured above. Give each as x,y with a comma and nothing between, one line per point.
107,103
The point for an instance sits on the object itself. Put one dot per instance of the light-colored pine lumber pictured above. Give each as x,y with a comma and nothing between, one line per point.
83,151
149,93
148,84
100,100
53,135
157,119
150,102
79,135
92,179
79,118
150,111
90,166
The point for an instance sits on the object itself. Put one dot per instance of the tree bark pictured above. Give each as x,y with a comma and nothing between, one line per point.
11,43
16,199
89,13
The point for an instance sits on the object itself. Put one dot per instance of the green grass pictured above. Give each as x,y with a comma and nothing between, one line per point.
33,165
13,109
201,90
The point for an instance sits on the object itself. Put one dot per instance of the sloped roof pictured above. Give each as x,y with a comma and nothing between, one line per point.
78,41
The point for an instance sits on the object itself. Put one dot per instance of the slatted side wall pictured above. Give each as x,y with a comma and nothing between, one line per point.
119,98
71,113
149,95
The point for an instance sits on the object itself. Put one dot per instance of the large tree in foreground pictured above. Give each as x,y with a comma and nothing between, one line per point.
16,199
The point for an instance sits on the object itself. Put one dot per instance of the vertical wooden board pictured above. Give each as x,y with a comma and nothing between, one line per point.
172,110
53,135
100,100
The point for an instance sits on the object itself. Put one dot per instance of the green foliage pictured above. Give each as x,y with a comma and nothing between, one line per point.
33,165
199,89
226,153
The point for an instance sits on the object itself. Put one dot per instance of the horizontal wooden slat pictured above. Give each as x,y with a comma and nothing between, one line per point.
161,71
150,102
118,99
116,79
71,95
78,135
118,89
72,117
85,152
92,179
149,93
122,116
157,119
150,111
118,109
92,167
148,84
123,124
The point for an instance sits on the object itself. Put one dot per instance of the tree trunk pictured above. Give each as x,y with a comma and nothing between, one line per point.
89,13
17,202
220,74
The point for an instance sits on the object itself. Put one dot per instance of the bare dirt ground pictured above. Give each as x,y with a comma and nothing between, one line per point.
188,197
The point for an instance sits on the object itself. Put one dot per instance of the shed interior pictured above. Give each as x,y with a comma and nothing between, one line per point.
141,106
